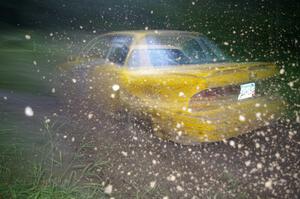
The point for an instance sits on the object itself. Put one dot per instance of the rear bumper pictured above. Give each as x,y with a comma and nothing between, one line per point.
220,123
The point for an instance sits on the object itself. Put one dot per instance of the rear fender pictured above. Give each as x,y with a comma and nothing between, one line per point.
159,90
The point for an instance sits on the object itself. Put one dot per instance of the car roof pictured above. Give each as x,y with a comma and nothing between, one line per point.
147,46
149,32
139,34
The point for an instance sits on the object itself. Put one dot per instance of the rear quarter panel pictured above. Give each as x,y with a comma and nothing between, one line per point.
159,89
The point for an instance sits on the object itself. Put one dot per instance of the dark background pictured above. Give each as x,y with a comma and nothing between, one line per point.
274,24
256,30
132,14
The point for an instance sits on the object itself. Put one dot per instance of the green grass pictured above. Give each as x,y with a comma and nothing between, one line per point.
37,169
149,192
17,70
231,188
28,65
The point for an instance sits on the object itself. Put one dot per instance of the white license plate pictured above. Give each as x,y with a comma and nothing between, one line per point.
247,91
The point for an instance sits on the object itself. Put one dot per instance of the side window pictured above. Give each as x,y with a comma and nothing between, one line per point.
120,48
118,54
99,49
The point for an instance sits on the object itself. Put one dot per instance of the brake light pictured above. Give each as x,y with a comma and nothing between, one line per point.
213,93
205,98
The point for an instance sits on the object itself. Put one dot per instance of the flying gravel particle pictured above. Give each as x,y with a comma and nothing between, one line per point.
28,111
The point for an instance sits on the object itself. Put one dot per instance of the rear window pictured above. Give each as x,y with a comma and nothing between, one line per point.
176,49
157,57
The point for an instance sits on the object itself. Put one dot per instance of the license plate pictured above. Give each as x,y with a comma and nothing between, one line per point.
247,91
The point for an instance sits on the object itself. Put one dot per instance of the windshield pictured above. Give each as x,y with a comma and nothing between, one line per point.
173,50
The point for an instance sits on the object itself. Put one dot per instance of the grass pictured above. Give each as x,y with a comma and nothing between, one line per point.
28,65
42,171
149,192
232,188
17,70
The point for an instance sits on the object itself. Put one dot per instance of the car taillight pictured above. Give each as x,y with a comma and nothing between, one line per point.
215,93
211,97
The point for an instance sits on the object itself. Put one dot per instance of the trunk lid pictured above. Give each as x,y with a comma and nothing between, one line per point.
222,74
230,83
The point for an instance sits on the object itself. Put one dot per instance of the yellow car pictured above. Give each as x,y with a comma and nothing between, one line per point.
180,80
